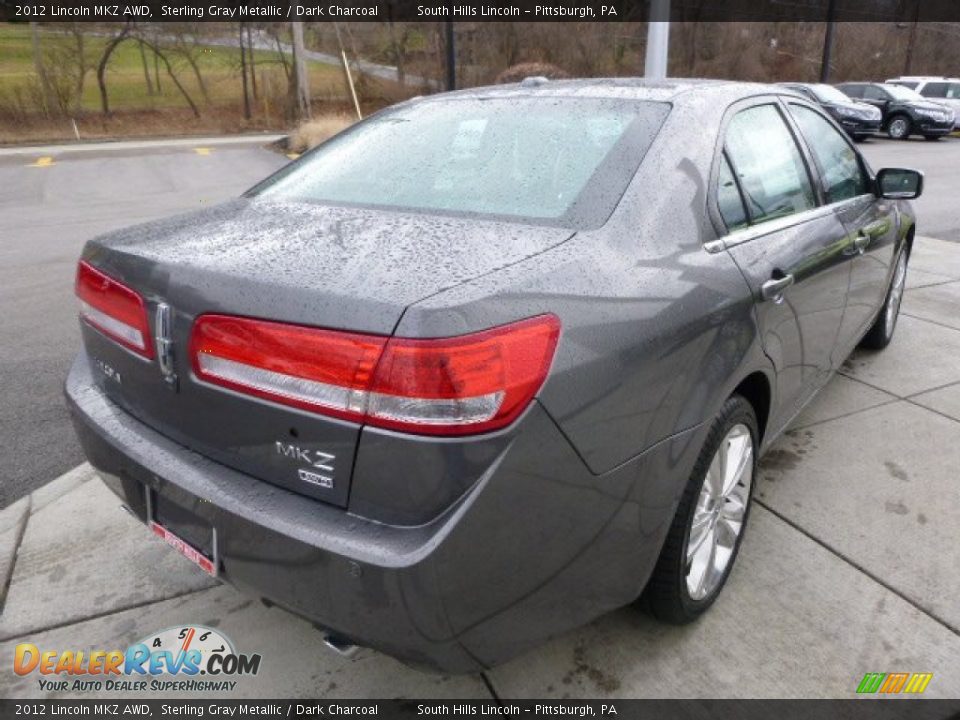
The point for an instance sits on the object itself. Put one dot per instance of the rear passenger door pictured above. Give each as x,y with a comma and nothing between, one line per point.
788,246
848,190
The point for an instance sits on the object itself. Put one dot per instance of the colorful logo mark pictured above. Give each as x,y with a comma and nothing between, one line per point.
190,650
893,683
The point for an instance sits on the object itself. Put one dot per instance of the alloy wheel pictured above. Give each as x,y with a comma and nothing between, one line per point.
898,128
896,293
720,512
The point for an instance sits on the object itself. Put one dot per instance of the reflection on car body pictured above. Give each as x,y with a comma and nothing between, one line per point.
466,376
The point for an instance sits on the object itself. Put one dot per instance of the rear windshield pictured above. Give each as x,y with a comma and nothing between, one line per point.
560,161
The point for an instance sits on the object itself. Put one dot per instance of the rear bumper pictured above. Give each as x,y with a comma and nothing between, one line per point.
537,546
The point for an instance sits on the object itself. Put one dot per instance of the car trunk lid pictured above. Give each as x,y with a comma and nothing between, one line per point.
337,268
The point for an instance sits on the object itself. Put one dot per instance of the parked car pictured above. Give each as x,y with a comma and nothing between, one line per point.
943,90
905,112
859,119
491,363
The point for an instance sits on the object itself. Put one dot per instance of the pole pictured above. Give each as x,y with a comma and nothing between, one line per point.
451,58
828,42
353,90
658,40
908,64
300,71
243,72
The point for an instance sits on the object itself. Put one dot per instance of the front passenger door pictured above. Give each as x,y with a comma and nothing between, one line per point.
788,247
870,222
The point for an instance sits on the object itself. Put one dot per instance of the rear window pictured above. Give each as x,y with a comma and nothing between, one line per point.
561,161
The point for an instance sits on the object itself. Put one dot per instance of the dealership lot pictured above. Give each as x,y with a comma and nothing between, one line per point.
851,560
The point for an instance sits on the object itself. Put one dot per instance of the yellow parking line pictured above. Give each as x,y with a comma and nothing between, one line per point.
202,151
45,161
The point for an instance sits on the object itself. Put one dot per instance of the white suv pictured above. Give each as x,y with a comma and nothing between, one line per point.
943,90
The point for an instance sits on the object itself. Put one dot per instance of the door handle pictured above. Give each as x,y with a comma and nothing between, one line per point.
773,289
861,242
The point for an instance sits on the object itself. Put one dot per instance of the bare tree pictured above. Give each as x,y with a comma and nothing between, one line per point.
300,72
188,47
108,49
41,69
158,52
146,69
159,56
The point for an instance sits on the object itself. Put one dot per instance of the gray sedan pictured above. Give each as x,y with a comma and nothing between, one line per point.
492,363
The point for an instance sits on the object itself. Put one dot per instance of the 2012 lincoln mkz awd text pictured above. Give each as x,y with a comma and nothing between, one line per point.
491,363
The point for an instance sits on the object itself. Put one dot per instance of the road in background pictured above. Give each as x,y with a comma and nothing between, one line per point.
940,163
51,202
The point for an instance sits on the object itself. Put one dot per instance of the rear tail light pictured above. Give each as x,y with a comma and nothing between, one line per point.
448,386
113,309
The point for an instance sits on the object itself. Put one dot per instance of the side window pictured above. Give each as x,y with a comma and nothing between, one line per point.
728,197
843,177
935,89
768,163
854,91
871,92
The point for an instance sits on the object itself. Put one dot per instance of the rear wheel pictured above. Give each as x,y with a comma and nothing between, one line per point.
899,127
704,538
881,332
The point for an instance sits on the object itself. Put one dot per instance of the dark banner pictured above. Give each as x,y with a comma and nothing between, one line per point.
621,709
483,10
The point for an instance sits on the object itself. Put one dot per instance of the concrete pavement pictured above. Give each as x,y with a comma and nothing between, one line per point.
850,563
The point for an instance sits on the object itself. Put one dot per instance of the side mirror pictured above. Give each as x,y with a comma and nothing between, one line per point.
899,183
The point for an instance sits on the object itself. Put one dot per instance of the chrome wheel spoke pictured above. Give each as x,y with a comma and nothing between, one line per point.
739,458
699,532
715,473
718,517
733,509
701,564
896,293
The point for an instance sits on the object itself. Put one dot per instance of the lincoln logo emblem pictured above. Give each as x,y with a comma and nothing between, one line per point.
163,332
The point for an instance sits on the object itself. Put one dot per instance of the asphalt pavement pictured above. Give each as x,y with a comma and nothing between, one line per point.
940,162
52,200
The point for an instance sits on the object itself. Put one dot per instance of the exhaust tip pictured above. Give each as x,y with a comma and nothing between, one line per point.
341,646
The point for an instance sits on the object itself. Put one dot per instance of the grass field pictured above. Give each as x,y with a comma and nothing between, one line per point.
139,110
127,87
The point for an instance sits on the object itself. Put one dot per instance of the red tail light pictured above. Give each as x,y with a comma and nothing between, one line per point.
113,309
449,386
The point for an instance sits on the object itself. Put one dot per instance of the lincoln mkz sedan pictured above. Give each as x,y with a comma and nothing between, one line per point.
491,363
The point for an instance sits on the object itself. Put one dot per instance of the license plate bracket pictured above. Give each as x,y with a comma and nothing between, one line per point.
185,532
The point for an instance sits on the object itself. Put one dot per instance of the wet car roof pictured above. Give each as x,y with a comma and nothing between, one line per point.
671,90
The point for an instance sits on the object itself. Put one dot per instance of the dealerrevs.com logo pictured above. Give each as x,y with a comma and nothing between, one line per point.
179,659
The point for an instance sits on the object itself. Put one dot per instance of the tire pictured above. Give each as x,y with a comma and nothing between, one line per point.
899,127
675,593
881,332
932,137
